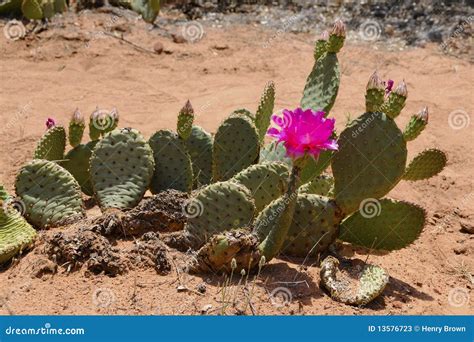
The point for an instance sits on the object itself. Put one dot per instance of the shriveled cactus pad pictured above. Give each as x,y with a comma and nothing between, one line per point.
50,194
52,144
173,168
387,225
218,207
370,161
236,147
121,168
15,233
352,282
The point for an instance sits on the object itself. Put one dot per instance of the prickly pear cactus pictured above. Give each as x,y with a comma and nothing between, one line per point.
384,225
396,101
102,122
173,168
199,146
416,125
15,233
236,147
52,144
50,194
42,9
265,110
375,94
76,162
76,128
425,165
185,121
217,208
314,227
266,182
274,152
322,84
352,282
370,161
121,168
149,9
321,185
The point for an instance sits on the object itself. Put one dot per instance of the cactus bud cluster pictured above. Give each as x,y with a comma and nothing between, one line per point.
374,96
416,125
185,121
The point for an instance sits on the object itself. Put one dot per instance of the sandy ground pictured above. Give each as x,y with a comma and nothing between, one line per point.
53,74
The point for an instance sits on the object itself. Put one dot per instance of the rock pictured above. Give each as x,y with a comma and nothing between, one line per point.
397,304
205,309
467,227
181,288
158,48
178,38
460,250
201,288
220,47
435,36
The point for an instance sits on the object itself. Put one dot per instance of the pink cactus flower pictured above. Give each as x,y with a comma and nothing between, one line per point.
389,86
304,132
50,123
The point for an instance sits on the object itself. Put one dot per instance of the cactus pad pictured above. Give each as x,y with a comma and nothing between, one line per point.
15,233
425,165
77,163
217,208
236,147
322,84
121,167
321,185
185,121
52,145
393,225
370,161
50,194
352,282
265,110
173,168
76,129
199,146
266,182
274,152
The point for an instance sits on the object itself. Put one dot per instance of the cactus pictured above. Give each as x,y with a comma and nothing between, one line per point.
50,194
217,208
148,9
121,169
102,122
42,9
362,283
416,125
15,233
321,185
265,110
395,101
375,94
370,161
199,147
76,162
425,165
173,168
266,182
76,128
52,144
274,152
322,84
236,147
185,121
390,226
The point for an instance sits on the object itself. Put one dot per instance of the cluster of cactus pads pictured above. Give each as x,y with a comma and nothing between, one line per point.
251,202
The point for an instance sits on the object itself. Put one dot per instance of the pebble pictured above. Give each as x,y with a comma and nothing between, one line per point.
178,38
201,288
467,227
205,309
460,250
158,47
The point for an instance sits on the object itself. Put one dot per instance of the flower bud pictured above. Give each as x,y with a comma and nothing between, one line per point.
339,28
50,123
423,114
401,89
77,117
375,82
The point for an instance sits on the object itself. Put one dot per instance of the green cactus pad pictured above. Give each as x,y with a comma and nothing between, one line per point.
265,110
76,129
185,121
394,105
352,282
245,112
52,144
77,163
389,225
32,9
217,208
274,152
370,161
199,146
374,99
320,48
266,182
50,194
148,9
173,168
322,84
15,233
121,167
414,127
236,147
321,185
425,165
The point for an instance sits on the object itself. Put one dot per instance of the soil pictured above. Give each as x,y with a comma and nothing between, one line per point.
72,65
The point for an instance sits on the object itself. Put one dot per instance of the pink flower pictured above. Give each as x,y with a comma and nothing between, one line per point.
389,86
304,132
50,123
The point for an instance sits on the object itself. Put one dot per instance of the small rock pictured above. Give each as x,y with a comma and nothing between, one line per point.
205,309
467,227
397,304
201,288
460,250
220,47
181,288
389,30
158,48
178,38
